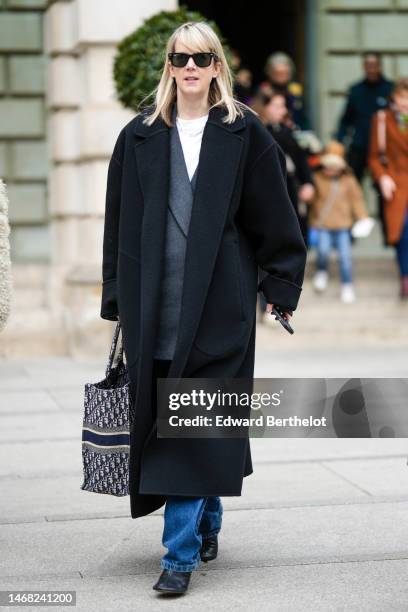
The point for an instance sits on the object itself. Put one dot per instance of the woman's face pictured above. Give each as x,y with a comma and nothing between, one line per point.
280,74
275,111
401,102
192,81
331,172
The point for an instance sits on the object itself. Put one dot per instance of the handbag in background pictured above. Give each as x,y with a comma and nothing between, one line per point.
108,416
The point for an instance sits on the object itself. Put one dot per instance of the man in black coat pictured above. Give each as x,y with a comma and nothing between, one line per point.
364,99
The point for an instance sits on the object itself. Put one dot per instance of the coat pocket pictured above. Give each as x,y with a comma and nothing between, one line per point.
223,325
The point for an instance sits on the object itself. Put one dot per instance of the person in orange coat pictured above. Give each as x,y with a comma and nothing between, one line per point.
388,163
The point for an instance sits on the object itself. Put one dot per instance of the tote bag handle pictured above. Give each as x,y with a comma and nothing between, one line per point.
113,349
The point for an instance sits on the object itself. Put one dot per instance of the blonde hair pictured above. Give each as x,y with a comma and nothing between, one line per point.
200,37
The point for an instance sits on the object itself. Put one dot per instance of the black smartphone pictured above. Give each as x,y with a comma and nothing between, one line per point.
278,312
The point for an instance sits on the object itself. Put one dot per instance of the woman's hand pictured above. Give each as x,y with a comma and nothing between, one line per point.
387,186
286,315
306,192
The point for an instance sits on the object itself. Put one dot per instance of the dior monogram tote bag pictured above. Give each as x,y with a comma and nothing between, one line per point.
108,416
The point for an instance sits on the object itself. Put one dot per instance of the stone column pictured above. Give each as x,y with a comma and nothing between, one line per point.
83,123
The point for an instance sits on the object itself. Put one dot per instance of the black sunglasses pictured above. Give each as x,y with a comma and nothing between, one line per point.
202,60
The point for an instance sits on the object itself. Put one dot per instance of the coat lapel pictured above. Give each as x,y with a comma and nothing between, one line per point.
217,171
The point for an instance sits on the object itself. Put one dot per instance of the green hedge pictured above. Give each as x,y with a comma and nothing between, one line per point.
139,61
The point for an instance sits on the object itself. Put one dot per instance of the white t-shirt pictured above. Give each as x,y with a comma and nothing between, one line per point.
191,133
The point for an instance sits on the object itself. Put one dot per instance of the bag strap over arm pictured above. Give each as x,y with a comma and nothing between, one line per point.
382,137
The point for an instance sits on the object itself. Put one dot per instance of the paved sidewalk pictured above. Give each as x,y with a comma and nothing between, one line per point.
322,524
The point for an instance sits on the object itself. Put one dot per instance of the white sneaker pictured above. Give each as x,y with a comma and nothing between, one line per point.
320,280
347,293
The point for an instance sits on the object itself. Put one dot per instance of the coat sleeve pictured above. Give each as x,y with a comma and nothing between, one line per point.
269,220
109,306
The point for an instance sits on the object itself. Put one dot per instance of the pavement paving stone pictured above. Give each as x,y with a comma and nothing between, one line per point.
367,586
321,523
275,536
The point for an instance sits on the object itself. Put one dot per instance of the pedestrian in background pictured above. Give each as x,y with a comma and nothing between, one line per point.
272,110
280,72
337,203
364,99
388,162
271,107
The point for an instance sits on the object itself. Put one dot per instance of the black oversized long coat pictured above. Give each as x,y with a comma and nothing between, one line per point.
241,218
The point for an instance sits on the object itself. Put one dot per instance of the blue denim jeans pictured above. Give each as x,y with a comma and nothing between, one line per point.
187,521
401,249
341,241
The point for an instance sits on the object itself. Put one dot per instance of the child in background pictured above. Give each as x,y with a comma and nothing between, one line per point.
337,203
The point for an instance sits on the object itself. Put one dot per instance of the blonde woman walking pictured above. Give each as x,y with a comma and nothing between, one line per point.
196,200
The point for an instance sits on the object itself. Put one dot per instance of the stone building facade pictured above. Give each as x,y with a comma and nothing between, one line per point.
341,31
58,121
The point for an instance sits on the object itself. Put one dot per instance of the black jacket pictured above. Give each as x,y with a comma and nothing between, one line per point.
363,100
241,218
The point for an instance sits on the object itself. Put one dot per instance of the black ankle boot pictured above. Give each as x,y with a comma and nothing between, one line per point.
209,549
172,582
